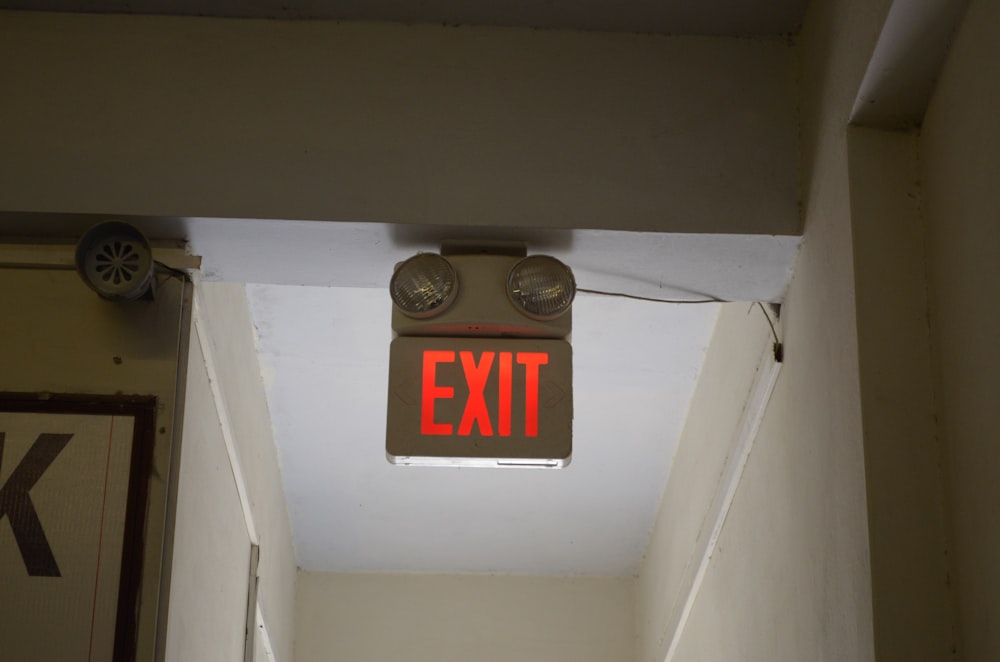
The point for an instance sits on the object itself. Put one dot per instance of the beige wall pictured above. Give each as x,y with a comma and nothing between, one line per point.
905,493
740,343
960,144
458,618
63,340
225,309
230,494
790,578
206,618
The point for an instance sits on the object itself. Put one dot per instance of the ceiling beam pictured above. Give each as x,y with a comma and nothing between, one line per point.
378,122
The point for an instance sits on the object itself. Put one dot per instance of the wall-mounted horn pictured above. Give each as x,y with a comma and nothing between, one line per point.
115,260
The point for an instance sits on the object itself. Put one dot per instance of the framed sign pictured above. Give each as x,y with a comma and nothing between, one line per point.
73,479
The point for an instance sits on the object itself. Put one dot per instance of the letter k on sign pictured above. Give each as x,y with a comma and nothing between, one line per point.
16,504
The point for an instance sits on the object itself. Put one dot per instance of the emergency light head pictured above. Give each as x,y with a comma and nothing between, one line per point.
493,292
541,286
424,285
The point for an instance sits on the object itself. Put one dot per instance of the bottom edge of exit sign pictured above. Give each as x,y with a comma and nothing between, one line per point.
478,462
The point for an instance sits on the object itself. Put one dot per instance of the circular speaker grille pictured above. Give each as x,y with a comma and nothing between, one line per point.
115,260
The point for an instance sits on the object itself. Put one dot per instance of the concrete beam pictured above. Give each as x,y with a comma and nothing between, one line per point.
196,117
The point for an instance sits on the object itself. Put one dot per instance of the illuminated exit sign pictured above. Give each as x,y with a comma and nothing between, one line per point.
480,402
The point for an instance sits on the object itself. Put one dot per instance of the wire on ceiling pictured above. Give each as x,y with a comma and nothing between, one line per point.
640,298
779,348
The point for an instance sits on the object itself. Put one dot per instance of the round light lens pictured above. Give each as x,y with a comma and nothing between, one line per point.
541,286
424,285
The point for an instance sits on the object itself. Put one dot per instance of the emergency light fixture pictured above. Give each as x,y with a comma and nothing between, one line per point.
480,372
497,294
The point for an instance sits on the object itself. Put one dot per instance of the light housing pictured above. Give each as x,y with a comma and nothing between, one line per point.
481,306
541,287
424,285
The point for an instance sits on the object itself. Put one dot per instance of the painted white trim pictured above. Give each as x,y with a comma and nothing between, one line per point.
265,636
753,413
202,328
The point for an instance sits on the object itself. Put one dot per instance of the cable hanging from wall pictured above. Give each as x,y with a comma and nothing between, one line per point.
778,347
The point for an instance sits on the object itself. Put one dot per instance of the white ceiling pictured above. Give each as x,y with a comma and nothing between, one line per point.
319,300
325,352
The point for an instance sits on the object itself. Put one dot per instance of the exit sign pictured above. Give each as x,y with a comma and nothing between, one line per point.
480,402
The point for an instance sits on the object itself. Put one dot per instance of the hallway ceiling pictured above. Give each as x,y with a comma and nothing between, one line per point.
318,295
706,17
324,354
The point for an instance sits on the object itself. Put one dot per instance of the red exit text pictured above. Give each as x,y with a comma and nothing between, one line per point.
476,376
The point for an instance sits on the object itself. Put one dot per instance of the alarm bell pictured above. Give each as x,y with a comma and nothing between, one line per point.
114,259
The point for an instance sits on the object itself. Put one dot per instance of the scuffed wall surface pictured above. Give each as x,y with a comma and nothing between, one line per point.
226,318
790,579
206,619
906,521
959,146
696,473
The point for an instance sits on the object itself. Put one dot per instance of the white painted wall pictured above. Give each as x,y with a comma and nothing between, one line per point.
790,579
164,116
905,493
224,426
959,146
685,521
458,618
206,618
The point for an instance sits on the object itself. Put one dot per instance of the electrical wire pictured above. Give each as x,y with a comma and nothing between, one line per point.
165,268
641,298
769,322
779,348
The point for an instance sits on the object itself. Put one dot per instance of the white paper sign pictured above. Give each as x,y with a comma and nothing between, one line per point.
63,499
